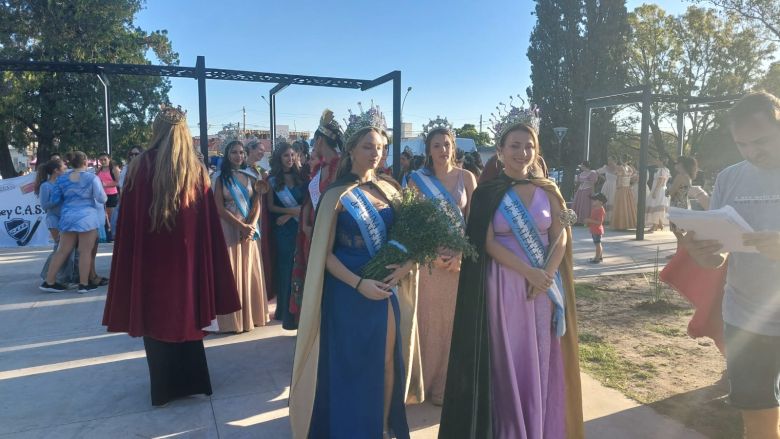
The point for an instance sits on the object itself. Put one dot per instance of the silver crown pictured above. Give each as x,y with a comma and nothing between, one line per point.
512,114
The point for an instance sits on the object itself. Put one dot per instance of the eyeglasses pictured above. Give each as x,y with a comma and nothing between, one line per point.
133,154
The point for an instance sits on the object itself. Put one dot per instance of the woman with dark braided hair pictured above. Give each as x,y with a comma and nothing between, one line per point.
328,143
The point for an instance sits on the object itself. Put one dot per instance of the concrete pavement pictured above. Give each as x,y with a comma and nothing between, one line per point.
63,376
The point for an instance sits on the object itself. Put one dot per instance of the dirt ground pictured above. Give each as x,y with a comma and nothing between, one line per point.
633,338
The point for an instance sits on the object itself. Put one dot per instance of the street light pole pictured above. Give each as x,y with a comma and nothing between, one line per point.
404,101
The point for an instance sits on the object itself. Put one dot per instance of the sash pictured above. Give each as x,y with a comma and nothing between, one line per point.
432,188
314,189
526,233
372,226
242,199
285,195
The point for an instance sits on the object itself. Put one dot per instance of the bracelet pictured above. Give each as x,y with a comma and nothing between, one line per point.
358,283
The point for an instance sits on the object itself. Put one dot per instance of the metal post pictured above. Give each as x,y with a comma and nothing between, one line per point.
587,135
200,67
272,130
396,122
106,101
680,129
647,101
272,104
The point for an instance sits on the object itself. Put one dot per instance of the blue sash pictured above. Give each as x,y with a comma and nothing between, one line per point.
432,188
285,195
372,226
242,199
526,233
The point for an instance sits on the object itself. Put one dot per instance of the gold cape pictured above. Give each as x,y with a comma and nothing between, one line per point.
307,348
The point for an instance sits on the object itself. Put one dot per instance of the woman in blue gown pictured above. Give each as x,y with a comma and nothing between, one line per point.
284,205
349,376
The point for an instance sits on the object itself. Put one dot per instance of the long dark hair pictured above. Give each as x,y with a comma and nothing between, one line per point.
690,165
277,169
429,139
44,173
226,169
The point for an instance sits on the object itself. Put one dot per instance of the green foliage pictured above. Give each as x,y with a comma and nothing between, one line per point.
605,363
424,227
469,131
576,46
65,111
700,53
764,13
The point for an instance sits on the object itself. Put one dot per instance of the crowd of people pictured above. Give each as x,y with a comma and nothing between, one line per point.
492,339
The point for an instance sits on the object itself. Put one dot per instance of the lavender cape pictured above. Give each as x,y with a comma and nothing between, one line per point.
468,403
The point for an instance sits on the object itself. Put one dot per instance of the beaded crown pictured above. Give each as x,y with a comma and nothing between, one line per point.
172,115
373,117
439,122
512,114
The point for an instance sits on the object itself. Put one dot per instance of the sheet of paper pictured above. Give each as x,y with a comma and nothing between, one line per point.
724,225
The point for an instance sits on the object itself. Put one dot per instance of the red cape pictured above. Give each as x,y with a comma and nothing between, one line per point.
168,285
704,288
302,244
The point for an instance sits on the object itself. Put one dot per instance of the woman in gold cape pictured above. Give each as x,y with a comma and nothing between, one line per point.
313,355
468,400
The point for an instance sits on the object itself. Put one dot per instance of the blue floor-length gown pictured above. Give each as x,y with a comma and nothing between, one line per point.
349,400
284,237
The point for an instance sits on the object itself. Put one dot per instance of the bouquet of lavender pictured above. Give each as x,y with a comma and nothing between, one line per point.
422,228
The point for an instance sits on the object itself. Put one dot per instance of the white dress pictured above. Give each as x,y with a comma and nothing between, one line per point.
608,189
656,205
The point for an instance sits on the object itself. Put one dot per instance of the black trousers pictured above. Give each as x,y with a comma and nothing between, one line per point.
176,369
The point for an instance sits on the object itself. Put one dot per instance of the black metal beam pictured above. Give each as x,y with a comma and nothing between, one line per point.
200,66
396,78
380,80
599,94
281,78
613,101
107,68
647,101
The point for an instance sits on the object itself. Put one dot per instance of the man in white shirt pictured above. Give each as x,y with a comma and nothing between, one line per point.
751,304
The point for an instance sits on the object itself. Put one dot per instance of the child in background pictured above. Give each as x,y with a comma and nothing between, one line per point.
596,224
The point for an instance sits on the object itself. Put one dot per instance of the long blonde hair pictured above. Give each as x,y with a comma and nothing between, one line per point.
345,164
178,177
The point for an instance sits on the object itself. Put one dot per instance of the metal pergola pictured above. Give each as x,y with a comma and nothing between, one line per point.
201,74
644,95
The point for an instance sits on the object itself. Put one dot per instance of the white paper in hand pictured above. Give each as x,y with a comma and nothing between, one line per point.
724,225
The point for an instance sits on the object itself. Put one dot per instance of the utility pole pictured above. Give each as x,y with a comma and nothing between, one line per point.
480,124
244,110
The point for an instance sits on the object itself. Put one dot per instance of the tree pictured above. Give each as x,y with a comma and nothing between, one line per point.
576,46
699,53
469,131
766,13
771,81
65,111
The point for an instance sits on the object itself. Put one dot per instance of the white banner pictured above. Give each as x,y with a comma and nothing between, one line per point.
22,220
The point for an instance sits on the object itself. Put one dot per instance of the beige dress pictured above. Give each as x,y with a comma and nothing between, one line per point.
248,271
438,290
624,213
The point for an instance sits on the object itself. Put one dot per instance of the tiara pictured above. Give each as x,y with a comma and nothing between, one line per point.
172,115
512,114
438,123
373,117
329,126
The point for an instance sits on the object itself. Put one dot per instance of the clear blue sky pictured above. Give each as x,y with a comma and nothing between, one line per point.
461,58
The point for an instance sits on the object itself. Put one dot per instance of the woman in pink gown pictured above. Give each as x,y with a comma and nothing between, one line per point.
586,181
438,287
